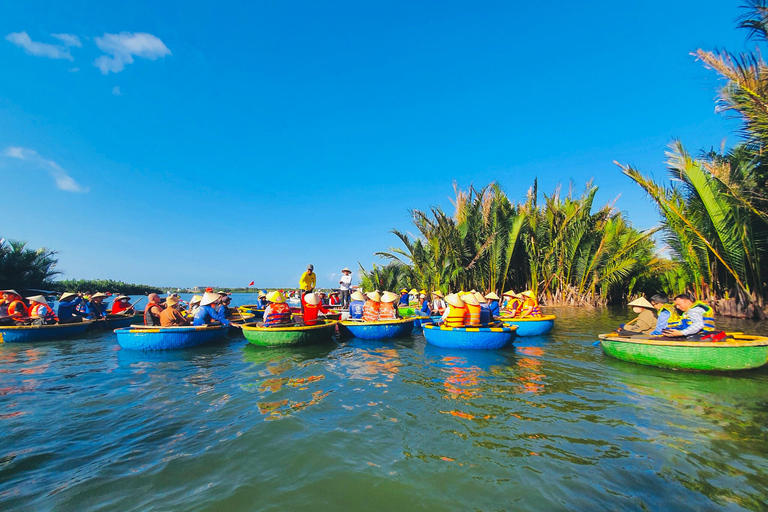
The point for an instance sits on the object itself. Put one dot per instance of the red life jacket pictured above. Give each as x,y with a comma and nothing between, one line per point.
387,311
44,312
149,317
119,306
371,311
472,315
455,317
278,313
310,313
17,308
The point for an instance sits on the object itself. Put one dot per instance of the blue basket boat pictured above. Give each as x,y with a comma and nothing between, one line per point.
381,330
31,333
469,337
531,326
112,322
166,338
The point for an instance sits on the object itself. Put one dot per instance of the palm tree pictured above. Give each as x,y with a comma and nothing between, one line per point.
23,269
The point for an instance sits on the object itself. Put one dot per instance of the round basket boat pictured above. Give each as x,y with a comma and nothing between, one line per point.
530,326
739,352
252,309
237,320
31,333
167,338
381,330
469,337
112,322
290,335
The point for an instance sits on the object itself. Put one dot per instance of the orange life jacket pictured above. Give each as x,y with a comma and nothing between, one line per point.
387,311
278,313
17,308
371,311
149,317
44,312
472,315
529,307
455,317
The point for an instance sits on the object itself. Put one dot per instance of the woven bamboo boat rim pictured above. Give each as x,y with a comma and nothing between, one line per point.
378,322
179,328
511,328
527,318
254,327
51,326
742,340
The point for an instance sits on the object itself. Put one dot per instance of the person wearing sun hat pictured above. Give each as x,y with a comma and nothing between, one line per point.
312,309
277,313
455,312
357,306
510,302
40,312
122,305
387,309
67,310
438,304
261,302
403,298
171,315
485,310
12,307
493,304
645,322
371,308
529,307
345,285
472,314
424,308
194,305
95,307
207,311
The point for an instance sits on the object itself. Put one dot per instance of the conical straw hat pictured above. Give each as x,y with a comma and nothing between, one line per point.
469,298
38,298
642,302
388,297
311,299
357,295
276,297
509,293
454,300
374,296
14,292
527,293
479,297
66,296
195,299
209,298
437,293
492,296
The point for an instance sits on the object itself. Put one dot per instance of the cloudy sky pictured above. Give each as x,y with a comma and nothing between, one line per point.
215,143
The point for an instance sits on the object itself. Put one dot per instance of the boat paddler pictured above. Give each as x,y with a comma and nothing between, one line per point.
261,302
122,305
312,308
493,304
171,315
95,307
424,308
371,308
529,307
698,318
67,311
40,312
645,321
12,308
438,304
207,311
153,309
511,302
277,312
307,282
387,309
404,299
455,312
357,305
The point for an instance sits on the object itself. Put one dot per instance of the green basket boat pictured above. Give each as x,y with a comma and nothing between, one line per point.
740,352
291,335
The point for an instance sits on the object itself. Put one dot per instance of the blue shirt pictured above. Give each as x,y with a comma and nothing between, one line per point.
404,299
493,306
661,322
485,314
67,309
425,309
356,309
93,311
206,314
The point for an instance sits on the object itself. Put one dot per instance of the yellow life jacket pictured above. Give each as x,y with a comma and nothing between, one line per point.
455,317
472,315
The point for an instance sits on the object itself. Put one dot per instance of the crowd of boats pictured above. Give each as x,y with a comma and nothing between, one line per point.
463,320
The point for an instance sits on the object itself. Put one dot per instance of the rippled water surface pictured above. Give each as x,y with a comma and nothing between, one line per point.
550,424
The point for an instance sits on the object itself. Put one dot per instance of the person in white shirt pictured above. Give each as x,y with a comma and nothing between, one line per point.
344,285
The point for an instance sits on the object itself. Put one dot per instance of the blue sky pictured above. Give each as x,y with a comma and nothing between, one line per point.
215,143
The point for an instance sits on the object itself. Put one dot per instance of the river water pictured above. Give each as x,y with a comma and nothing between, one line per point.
550,424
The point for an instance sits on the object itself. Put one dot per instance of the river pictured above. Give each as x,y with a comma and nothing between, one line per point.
549,424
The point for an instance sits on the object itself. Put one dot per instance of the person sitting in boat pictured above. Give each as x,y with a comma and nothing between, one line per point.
207,311
387,309
455,312
404,298
67,311
485,309
153,309
472,310
223,304
194,303
424,308
371,308
493,304
122,305
357,305
438,304
698,318
40,312
12,308
645,321
312,308
668,317
261,302
171,316
333,299
95,307
277,312
529,307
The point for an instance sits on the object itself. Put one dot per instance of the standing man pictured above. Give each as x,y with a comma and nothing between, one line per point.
307,283
344,285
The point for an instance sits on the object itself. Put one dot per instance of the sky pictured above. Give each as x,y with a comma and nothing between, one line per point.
219,143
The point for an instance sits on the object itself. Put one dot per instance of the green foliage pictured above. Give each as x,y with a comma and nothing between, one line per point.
392,277
103,285
563,250
22,269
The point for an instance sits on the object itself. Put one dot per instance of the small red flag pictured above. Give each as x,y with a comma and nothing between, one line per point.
251,284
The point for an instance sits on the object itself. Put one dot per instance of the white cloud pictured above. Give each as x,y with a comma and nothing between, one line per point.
73,70
121,48
52,51
116,91
63,180
69,39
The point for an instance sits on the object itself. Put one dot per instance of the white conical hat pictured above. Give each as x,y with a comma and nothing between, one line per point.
311,299
479,297
195,299
642,302
469,298
389,297
374,296
10,291
209,298
358,295
38,298
454,300
492,296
